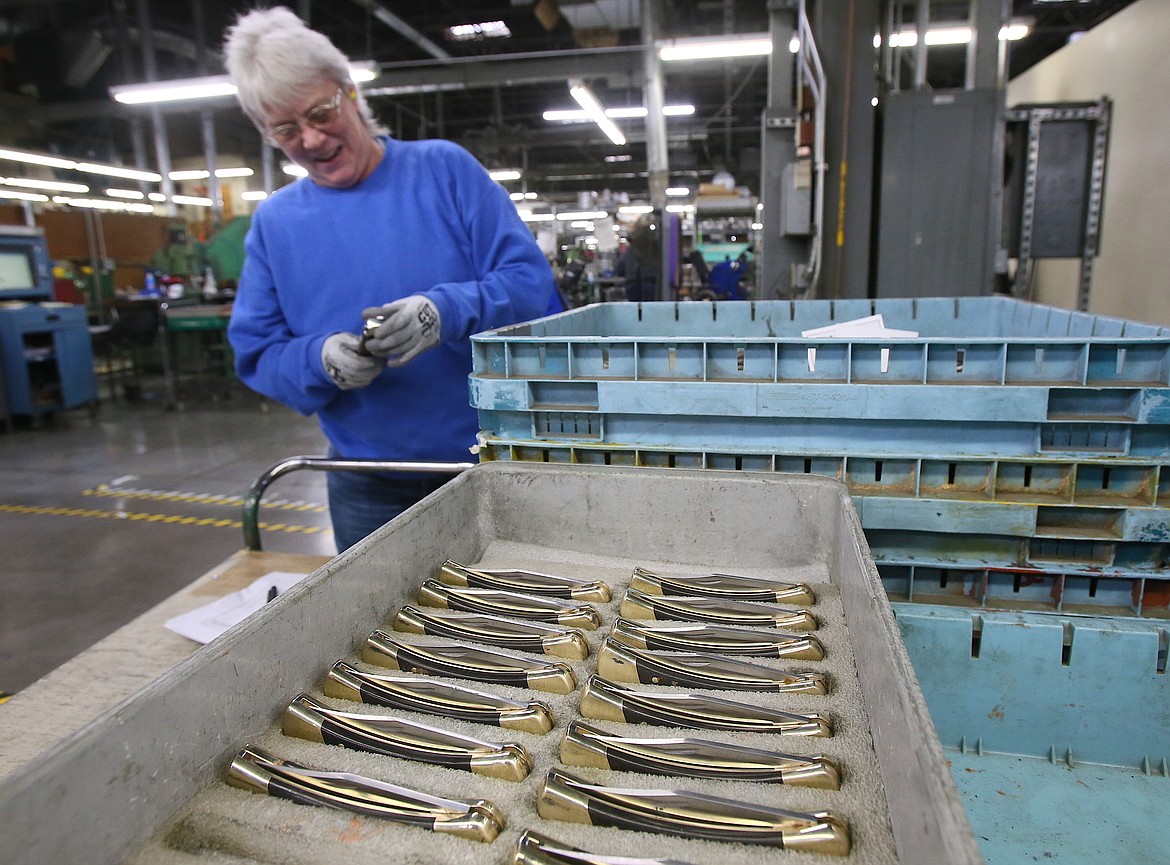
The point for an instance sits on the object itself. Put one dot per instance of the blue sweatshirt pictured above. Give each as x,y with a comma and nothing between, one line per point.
429,221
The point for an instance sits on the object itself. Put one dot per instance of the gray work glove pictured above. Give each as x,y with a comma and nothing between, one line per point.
409,327
344,363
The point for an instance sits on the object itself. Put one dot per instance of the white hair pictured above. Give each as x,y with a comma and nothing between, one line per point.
273,58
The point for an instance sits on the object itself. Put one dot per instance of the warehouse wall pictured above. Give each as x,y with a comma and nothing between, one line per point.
1126,59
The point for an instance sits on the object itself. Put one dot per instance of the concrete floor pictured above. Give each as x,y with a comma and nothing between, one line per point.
105,513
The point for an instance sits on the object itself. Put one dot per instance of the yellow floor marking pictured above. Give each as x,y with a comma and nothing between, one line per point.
107,491
220,523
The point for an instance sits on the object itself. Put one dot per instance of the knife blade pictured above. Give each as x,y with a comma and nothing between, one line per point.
535,848
258,771
306,718
528,636
621,663
704,637
529,582
639,605
606,701
463,662
690,815
586,745
432,593
722,586
433,697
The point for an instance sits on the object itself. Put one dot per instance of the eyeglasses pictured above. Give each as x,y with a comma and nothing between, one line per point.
319,116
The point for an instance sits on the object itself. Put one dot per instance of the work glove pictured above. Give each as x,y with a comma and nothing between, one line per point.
346,365
409,327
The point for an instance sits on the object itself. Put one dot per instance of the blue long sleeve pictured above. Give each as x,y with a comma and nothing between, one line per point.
428,221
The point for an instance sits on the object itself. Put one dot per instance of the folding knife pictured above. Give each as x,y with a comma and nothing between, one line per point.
527,636
639,605
432,697
690,815
534,848
586,745
621,663
306,718
432,593
722,586
463,662
530,582
261,772
701,637
605,701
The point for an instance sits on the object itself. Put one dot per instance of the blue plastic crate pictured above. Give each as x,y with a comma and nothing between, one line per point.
981,341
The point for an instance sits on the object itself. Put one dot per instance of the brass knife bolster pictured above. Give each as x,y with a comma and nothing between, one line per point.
527,636
605,701
310,719
586,745
705,637
432,593
463,662
722,586
690,815
530,582
432,697
639,605
260,772
535,848
621,663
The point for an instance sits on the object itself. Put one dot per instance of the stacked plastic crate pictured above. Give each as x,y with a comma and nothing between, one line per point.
1011,454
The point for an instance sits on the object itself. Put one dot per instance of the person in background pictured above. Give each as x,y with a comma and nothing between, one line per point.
640,263
412,234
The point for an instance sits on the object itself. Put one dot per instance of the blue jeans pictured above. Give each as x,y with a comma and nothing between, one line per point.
359,503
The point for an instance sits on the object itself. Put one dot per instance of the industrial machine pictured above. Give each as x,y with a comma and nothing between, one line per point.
45,344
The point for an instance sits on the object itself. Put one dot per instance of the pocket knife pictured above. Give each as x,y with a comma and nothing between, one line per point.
586,745
463,662
722,586
705,637
535,848
432,593
432,697
261,772
621,663
690,815
605,701
306,718
530,582
527,636
639,605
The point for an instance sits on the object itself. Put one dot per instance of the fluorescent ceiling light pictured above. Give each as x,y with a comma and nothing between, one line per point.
125,193
190,174
69,164
951,35
578,115
593,108
529,216
581,214
503,174
254,195
582,223
619,157
293,170
680,208
17,195
118,171
234,172
706,48
206,87
195,200
104,204
477,32
37,159
677,191
51,185
156,196
636,209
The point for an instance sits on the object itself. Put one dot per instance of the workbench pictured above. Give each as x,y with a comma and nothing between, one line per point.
207,323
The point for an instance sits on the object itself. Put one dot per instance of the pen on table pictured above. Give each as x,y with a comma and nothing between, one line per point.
272,593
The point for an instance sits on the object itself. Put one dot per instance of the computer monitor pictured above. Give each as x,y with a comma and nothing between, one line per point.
25,270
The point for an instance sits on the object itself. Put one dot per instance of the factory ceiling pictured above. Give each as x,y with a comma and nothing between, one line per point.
58,57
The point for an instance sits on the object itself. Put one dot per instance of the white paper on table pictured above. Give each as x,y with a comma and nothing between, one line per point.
209,621
869,326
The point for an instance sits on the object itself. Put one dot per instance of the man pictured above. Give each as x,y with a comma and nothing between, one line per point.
412,234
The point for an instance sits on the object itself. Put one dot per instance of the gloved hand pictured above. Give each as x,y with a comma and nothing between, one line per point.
409,328
345,365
